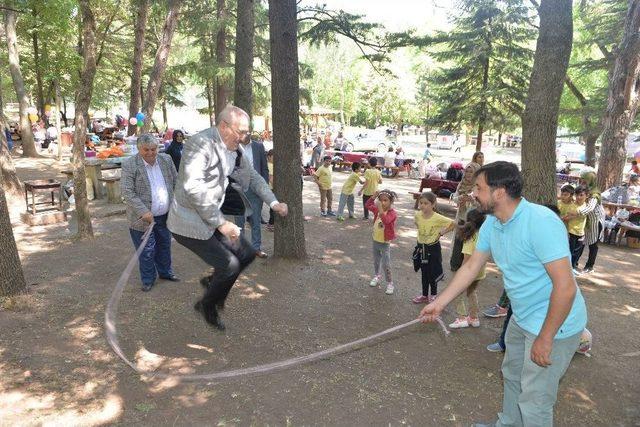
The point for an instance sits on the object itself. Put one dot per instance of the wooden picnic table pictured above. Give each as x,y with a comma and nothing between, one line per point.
93,170
613,207
42,186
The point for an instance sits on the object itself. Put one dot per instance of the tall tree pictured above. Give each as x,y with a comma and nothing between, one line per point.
11,275
243,90
283,29
83,100
622,105
37,60
8,176
138,56
222,87
489,62
160,62
540,118
26,135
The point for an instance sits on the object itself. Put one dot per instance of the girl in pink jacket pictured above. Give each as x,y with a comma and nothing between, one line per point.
384,223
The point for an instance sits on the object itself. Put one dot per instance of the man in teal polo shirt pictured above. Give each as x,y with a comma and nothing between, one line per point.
529,244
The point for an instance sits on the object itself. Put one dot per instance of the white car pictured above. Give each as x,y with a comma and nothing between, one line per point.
446,141
369,140
570,152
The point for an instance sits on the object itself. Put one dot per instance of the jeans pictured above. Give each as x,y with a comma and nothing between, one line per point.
364,204
156,255
228,258
254,220
504,325
382,260
530,391
348,200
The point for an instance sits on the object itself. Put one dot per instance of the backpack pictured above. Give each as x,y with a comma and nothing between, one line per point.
454,174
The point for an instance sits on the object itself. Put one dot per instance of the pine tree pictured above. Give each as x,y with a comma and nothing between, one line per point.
487,64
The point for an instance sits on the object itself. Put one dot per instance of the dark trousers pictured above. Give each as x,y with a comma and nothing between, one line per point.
456,254
593,251
156,255
228,260
431,268
364,203
576,246
504,328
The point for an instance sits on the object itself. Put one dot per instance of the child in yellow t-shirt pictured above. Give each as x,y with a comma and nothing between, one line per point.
469,235
431,226
575,224
372,178
322,177
346,196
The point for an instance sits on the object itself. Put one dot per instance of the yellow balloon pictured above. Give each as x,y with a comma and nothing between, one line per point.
33,118
47,107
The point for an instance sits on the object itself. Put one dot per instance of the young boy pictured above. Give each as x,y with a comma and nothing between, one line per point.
346,196
322,177
372,177
575,224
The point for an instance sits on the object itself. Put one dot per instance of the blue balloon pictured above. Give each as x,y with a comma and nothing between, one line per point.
140,116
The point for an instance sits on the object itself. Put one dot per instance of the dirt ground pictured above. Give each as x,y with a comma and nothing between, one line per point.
56,367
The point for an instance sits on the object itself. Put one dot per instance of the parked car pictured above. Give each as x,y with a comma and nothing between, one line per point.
369,140
445,141
570,152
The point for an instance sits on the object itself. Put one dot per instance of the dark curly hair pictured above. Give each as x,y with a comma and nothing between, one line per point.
474,221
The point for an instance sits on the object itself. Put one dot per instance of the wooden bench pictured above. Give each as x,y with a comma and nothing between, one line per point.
113,189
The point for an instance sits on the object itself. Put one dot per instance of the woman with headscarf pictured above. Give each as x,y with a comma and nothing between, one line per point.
465,202
594,212
175,148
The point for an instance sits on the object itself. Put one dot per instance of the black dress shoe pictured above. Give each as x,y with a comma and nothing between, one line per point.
171,278
146,287
211,316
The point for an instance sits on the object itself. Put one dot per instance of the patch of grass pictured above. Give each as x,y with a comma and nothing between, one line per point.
145,407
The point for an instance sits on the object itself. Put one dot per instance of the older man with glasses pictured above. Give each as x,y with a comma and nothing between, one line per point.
147,185
210,192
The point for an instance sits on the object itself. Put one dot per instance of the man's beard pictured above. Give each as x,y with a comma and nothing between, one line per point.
486,209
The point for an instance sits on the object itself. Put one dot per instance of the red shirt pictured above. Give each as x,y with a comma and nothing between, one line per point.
388,219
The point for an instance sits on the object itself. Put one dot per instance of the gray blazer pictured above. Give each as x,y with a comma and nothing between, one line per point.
199,193
136,189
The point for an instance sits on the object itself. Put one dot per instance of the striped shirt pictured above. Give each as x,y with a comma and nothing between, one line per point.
594,212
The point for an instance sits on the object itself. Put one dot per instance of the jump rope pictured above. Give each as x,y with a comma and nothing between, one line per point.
111,330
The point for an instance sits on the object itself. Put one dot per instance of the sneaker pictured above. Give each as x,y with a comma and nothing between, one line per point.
576,272
331,213
323,213
432,298
473,321
352,216
340,218
587,270
495,311
420,299
495,348
374,282
461,322
390,289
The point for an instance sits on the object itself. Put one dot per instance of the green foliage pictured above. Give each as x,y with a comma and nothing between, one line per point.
485,64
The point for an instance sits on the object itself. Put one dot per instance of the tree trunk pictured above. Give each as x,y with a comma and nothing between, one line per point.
289,239
83,99
483,106
11,275
57,121
222,91
138,56
622,104
26,135
243,90
64,112
210,108
160,62
165,116
38,69
540,118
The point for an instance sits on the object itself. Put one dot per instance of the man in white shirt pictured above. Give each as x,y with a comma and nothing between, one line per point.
147,184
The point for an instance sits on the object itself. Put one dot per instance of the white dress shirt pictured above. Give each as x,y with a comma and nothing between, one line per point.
159,193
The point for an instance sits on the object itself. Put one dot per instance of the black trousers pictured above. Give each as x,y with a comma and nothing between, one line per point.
228,258
576,246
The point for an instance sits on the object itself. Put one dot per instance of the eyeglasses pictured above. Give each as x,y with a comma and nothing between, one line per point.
239,134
